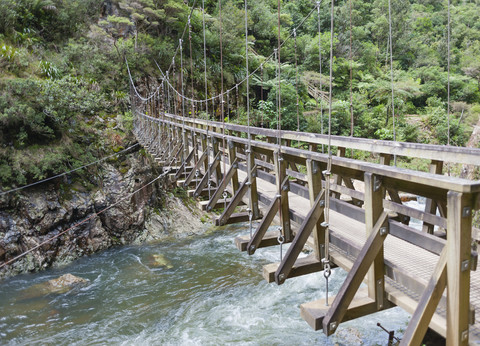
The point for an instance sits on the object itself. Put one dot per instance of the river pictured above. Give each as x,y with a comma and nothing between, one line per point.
205,293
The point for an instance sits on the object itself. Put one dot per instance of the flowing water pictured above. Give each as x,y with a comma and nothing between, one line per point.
196,290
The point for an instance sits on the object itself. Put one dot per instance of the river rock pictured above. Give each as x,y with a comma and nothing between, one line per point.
60,285
44,211
158,260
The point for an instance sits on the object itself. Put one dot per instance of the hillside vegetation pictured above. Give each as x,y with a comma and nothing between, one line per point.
64,86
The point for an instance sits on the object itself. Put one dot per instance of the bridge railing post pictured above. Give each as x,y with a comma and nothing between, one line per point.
374,192
281,173
459,228
314,176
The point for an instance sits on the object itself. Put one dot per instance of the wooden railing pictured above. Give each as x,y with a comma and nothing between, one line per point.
210,155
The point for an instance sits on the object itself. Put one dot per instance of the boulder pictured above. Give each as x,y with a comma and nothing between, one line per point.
60,285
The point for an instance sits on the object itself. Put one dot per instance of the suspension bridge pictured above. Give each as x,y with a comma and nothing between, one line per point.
348,212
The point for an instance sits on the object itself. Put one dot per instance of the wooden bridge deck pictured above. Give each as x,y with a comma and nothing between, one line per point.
369,233
412,265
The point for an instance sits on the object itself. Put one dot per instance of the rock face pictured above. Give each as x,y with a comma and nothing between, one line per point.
111,215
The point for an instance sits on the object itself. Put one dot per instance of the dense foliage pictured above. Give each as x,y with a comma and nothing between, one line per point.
64,82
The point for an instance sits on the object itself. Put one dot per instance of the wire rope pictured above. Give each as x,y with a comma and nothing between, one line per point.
320,67
391,75
81,222
65,173
327,173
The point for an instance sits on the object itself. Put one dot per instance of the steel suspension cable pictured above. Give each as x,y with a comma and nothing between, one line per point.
209,171
448,70
320,67
249,152
296,79
221,88
391,75
328,172
350,57
65,173
81,222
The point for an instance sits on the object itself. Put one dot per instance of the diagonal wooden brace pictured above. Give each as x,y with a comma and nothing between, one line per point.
276,204
184,164
207,175
175,155
197,167
264,224
355,276
218,193
418,325
300,239
234,202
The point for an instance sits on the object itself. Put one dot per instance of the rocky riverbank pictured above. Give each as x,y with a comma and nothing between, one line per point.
40,213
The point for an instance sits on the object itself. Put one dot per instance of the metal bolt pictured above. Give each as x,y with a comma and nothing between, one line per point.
281,277
466,212
465,265
324,224
383,231
333,326
377,183
252,248
322,203
465,335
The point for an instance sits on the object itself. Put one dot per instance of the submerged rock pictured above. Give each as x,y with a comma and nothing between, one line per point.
62,284
159,260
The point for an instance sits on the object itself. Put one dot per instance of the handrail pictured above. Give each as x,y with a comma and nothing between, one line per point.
444,153
420,182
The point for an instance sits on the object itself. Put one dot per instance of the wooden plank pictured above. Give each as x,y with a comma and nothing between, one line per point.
367,255
302,266
418,325
269,239
234,218
314,312
459,228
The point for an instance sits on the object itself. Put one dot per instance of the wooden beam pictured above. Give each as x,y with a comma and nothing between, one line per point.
315,214
196,168
374,193
367,255
459,227
436,167
282,190
234,202
207,175
221,188
314,174
418,325
264,224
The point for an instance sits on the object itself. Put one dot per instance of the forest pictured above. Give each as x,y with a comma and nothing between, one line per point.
64,86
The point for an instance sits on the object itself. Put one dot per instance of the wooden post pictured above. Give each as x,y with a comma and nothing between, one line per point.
252,179
281,173
205,150
232,155
374,192
459,228
218,169
436,167
314,175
